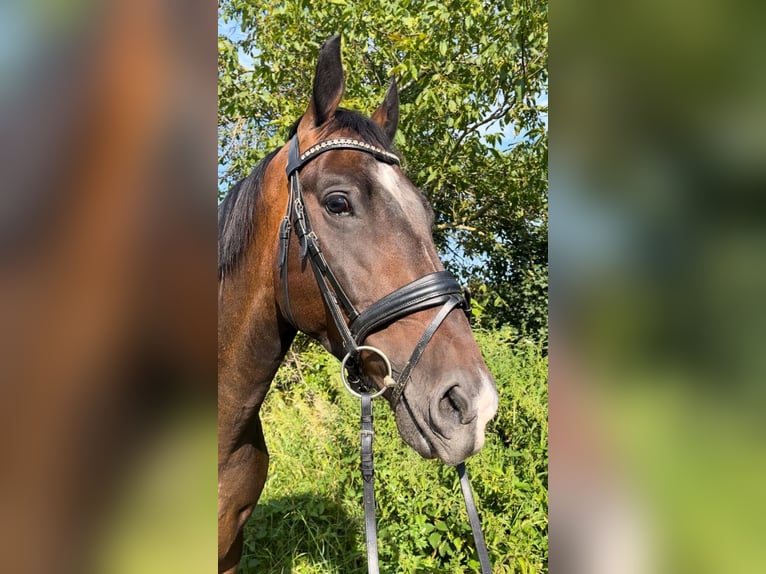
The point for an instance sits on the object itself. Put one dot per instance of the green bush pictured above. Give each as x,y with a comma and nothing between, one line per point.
310,517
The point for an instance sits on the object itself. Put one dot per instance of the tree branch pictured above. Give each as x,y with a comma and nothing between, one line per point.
459,227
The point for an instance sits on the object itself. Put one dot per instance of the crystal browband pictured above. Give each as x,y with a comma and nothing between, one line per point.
343,143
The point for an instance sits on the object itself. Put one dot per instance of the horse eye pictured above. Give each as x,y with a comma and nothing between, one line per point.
337,205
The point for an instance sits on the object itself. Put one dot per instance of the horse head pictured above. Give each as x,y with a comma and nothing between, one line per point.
363,220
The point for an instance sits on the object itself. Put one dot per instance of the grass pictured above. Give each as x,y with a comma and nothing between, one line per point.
309,519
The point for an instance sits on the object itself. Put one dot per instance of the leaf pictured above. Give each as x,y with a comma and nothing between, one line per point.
434,540
440,525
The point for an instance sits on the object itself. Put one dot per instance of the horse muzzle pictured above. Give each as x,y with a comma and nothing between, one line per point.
451,422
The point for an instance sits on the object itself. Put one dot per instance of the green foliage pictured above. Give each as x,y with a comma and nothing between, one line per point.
310,519
473,88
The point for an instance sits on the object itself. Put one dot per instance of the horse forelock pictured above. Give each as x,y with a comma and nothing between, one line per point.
346,120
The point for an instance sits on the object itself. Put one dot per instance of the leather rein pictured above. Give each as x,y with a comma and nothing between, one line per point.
431,290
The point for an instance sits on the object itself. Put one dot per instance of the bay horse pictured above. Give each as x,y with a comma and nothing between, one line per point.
324,226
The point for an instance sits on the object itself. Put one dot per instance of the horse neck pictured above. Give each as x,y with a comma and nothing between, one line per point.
252,339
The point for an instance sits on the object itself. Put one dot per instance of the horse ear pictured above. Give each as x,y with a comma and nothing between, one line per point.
387,115
328,84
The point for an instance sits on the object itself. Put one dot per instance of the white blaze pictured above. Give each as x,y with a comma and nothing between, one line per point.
486,407
389,179
407,198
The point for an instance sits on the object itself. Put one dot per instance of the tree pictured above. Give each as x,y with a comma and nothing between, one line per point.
473,88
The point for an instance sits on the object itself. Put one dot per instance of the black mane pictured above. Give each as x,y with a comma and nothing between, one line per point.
236,217
236,213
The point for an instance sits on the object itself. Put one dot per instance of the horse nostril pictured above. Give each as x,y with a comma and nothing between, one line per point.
455,405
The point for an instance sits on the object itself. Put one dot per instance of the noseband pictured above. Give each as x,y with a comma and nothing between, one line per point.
432,290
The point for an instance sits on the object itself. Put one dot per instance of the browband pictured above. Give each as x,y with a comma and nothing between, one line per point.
296,161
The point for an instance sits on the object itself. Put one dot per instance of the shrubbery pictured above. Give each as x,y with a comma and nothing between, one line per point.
310,518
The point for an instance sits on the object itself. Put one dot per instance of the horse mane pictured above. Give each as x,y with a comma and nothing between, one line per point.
236,213
236,217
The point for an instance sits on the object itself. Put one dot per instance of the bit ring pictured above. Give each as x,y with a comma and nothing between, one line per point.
376,351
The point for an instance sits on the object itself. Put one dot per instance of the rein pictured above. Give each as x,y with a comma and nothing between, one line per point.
431,290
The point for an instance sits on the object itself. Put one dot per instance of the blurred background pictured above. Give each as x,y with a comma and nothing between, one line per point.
658,275
107,286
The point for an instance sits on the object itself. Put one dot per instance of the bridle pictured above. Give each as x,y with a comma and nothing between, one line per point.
434,289
431,290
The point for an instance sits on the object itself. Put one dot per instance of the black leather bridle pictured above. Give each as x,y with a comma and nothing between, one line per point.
431,290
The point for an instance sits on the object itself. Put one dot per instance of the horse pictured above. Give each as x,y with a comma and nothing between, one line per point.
324,226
